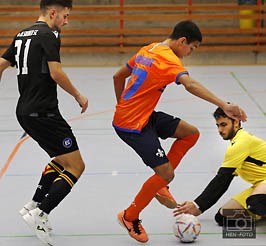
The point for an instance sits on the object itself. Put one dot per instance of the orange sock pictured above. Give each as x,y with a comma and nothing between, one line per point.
180,148
145,195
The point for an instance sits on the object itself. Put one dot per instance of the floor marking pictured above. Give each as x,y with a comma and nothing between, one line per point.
10,158
110,234
15,150
248,93
114,173
3,170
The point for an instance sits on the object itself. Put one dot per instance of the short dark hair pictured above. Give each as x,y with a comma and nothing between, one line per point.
44,4
220,113
187,29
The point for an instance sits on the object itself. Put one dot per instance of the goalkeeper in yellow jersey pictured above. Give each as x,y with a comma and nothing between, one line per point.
246,157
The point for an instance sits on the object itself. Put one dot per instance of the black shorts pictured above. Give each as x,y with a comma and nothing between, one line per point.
146,143
50,131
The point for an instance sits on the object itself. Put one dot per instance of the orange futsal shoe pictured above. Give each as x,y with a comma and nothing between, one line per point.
134,228
165,198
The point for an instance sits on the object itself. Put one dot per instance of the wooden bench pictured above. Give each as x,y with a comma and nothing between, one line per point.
114,28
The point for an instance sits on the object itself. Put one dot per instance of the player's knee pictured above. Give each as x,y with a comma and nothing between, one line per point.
82,167
219,218
195,137
168,177
79,167
195,131
257,204
171,176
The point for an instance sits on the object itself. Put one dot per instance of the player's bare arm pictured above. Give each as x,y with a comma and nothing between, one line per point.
3,65
195,88
63,81
120,80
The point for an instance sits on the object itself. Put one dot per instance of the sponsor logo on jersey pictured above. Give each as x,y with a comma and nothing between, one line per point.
56,33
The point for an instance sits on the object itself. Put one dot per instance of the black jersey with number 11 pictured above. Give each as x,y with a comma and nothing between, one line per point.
30,51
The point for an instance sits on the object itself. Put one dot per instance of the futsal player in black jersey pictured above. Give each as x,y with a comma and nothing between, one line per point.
35,53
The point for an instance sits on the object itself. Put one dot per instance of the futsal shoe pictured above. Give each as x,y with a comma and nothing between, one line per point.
134,228
30,206
37,220
165,198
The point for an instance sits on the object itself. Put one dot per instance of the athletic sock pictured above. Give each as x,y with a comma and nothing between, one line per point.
58,191
50,173
180,147
145,195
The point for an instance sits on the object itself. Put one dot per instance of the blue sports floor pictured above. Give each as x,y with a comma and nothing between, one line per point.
114,173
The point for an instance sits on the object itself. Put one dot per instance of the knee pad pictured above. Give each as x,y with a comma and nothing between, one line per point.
257,204
219,218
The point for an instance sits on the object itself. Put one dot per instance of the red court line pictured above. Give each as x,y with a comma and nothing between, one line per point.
97,113
15,150
10,158
88,115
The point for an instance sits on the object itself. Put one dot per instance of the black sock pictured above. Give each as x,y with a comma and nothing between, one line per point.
58,191
50,173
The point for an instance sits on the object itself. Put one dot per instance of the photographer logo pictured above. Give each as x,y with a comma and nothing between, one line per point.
238,224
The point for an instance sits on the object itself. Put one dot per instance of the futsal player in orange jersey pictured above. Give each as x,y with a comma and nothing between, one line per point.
136,123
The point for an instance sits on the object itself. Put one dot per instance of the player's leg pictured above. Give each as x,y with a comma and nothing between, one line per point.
226,211
129,218
51,171
164,174
55,136
256,202
186,136
37,218
148,147
73,167
232,207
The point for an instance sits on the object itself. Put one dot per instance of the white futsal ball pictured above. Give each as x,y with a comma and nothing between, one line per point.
186,227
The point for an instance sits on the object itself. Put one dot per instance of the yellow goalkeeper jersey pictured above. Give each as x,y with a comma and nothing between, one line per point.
247,153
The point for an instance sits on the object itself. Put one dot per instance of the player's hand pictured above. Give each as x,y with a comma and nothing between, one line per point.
235,112
187,208
83,102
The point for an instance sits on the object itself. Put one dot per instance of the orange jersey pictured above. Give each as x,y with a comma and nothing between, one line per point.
153,68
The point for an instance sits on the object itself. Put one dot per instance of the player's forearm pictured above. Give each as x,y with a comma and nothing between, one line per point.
119,86
120,80
63,81
59,76
215,189
199,90
3,65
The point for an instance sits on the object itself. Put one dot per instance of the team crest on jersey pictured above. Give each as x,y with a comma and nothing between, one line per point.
67,143
56,33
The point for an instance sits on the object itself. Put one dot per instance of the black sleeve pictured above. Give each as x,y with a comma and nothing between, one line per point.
9,54
215,189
